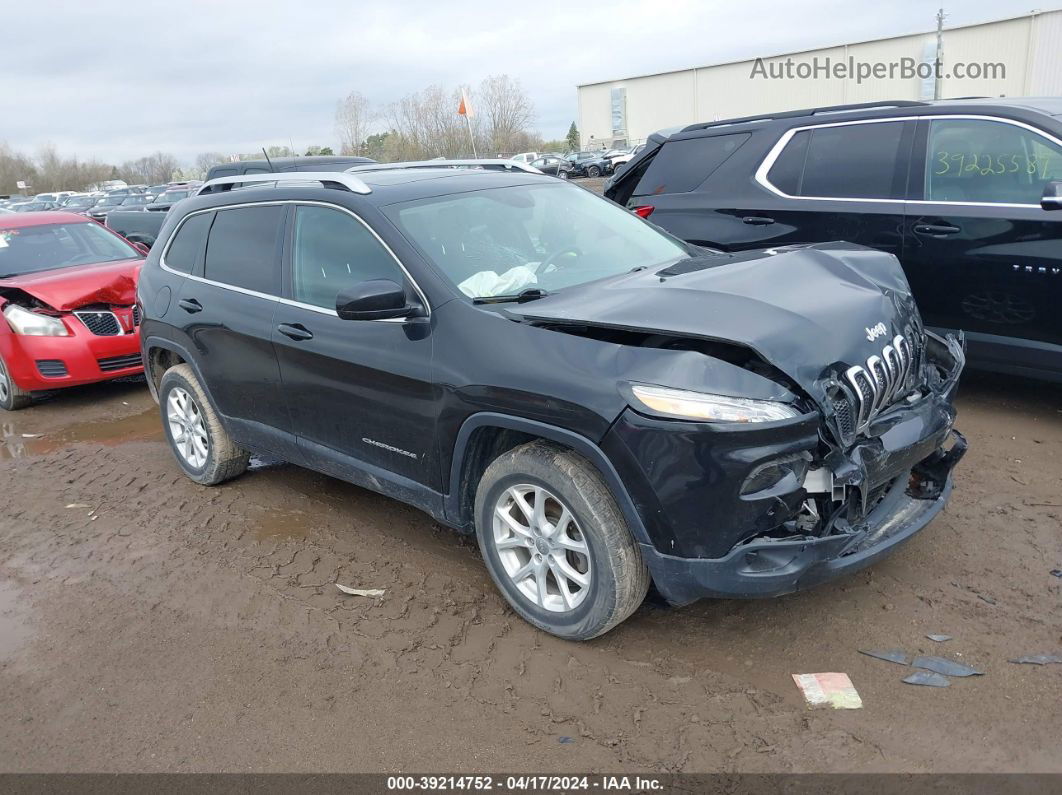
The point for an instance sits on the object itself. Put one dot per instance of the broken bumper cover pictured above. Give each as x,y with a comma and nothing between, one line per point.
768,567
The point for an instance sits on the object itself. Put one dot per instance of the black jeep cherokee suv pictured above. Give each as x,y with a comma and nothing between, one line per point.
604,405
966,193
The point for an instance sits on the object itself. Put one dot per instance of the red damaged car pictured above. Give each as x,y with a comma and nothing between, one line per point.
67,293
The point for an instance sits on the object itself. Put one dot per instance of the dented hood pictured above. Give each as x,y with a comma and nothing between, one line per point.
811,311
81,285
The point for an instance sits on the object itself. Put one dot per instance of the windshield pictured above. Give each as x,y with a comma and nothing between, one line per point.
29,249
86,201
502,241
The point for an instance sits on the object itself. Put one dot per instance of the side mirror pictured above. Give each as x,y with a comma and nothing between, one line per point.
376,299
1052,198
143,248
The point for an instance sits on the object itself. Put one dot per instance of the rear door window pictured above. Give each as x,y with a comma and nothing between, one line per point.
680,166
242,248
855,161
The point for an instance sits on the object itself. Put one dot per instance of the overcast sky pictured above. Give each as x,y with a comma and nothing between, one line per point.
118,80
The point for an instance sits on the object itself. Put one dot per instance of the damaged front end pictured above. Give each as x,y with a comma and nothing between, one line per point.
767,509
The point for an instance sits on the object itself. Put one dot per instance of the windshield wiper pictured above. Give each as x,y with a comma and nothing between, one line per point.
521,297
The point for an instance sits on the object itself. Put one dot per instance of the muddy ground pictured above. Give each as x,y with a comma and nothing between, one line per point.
147,623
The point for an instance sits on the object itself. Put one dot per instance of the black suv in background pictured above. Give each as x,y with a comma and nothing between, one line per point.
965,192
601,403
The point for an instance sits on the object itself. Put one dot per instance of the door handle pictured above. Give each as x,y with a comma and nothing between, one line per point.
190,305
295,331
757,220
936,230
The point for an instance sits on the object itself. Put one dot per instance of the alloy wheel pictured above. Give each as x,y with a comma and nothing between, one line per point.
187,429
542,548
5,386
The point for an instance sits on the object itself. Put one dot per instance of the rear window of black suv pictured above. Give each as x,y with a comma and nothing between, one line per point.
680,166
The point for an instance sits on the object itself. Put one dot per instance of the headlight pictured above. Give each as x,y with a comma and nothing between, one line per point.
32,324
710,408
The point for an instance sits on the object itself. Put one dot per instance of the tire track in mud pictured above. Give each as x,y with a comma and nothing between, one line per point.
263,553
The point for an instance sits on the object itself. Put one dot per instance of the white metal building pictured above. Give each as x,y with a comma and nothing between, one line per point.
1029,49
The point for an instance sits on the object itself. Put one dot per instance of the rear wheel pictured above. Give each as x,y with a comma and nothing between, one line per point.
562,174
12,397
556,544
200,443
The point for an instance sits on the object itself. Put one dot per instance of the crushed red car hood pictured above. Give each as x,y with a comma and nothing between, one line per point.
81,285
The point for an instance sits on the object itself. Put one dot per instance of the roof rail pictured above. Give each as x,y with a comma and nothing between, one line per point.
328,179
496,164
793,114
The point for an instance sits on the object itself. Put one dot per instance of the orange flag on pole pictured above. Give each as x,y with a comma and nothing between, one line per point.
464,108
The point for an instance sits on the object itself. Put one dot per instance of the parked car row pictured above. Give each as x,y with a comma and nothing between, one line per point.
597,163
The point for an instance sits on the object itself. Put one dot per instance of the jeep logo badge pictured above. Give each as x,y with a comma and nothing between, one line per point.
873,332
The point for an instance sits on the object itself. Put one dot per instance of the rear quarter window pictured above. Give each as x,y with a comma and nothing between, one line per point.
680,166
188,243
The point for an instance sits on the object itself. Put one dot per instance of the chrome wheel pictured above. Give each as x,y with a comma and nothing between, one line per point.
186,428
5,386
542,548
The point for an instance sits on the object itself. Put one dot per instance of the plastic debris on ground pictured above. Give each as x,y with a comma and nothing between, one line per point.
890,655
360,591
939,638
944,666
833,689
928,678
1037,659
1056,572
566,740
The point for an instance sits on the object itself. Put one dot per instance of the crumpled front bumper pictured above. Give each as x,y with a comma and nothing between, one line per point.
710,532
770,567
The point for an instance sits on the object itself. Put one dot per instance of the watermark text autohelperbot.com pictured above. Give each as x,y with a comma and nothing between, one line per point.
850,68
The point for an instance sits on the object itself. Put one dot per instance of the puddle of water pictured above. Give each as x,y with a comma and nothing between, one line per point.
285,524
14,630
135,427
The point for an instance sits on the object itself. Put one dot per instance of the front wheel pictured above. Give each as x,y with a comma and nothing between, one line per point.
12,397
593,171
556,544
562,174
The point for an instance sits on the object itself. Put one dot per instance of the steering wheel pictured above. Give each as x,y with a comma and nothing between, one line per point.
542,266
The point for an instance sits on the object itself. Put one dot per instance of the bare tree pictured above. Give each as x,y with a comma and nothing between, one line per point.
14,166
205,160
150,170
506,112
354,118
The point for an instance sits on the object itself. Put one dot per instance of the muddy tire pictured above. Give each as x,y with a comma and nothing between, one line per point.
12,397
200,443
556,544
